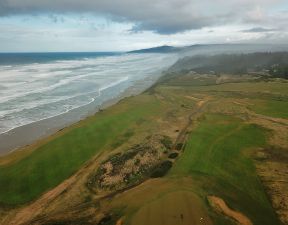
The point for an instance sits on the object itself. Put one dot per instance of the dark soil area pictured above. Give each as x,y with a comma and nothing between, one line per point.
167,142
161,169
179,146
173,155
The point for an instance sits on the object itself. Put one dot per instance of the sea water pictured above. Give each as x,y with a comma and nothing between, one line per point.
37,86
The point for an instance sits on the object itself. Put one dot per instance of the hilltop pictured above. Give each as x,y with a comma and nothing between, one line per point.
159,49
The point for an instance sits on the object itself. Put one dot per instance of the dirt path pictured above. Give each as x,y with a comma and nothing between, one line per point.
35,209
219,205
183,133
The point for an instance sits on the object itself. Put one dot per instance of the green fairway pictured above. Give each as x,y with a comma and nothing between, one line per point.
273,108
55,161
217,156
247,87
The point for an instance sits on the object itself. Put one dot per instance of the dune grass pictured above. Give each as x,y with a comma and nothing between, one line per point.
55,161
217,156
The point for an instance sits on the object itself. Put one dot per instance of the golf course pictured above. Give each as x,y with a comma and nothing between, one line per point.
192,149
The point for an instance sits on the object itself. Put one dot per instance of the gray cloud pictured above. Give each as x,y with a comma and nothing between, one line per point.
259,30
160,16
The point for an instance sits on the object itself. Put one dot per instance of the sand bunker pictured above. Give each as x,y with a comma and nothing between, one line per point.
219,205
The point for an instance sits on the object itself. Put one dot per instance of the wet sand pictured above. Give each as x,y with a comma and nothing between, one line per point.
27,134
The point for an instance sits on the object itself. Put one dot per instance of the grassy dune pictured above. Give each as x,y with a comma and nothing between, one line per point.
218,152
55,161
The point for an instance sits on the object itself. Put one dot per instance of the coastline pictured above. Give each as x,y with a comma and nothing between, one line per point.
25,136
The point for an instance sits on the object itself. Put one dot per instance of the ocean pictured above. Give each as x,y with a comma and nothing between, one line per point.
37,86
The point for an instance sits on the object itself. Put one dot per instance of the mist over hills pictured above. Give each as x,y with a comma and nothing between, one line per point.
274,63
212,49
159,49
228,58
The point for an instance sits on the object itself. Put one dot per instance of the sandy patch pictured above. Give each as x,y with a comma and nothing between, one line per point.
220,206
192,98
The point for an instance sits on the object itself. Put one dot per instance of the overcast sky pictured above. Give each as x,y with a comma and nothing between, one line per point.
120,25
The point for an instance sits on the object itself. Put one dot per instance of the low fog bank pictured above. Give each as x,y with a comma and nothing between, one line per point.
215,49
234,59
195,56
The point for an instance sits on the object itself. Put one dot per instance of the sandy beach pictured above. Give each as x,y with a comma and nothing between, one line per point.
24,136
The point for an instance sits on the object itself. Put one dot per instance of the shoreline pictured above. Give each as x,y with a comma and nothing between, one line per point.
25,136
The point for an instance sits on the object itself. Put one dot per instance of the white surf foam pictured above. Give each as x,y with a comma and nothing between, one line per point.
38,91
